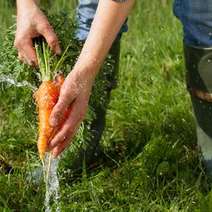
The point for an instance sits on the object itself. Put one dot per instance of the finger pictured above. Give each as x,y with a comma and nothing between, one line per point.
27,52
20,57
69,128
60,148
50,36
58,111
66,133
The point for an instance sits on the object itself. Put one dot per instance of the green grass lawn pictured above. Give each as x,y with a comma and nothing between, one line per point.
150,132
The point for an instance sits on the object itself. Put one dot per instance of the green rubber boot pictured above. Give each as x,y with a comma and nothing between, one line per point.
199,83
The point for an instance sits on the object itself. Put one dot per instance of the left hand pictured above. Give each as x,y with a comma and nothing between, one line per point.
32,23
75,92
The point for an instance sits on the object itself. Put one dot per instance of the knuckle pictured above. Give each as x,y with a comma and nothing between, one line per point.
49,34
69,93
43,27
56,114
60,107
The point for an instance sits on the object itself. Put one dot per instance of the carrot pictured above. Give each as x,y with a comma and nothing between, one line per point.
47,96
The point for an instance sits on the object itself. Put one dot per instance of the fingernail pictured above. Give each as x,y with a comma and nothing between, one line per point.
54,154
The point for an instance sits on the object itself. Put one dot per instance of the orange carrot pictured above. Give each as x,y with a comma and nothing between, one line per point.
46,97
47,94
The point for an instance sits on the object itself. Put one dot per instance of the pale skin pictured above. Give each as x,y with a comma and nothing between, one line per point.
76,90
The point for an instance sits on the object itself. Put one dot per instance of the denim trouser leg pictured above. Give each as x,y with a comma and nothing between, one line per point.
90,153
107,77
85,14
196,18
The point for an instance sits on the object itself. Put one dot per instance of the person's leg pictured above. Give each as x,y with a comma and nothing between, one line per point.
107,79
90,153
196,18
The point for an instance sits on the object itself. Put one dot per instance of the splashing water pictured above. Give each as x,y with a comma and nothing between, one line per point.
52,196
11,81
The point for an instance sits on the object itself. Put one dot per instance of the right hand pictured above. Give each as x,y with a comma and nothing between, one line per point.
31,23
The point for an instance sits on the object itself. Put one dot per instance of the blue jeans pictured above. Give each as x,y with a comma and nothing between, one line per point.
196,18
85,14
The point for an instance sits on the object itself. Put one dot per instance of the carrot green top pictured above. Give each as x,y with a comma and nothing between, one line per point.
48,63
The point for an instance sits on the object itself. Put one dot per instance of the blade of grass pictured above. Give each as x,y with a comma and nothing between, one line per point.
61,60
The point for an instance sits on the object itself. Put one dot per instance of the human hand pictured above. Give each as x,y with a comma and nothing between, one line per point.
32,23
75,93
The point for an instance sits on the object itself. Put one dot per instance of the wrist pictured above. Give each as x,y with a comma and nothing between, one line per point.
88,65
84,74
86,71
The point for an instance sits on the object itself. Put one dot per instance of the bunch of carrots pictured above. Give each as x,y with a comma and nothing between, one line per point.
47,94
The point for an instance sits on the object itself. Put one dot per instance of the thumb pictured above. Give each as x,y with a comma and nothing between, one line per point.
59,109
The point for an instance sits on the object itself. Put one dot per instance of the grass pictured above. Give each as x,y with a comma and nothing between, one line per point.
150,131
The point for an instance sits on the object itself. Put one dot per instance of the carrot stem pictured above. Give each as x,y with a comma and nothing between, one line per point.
61,60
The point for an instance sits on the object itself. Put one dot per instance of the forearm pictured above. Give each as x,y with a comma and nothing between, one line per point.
110,16
23,5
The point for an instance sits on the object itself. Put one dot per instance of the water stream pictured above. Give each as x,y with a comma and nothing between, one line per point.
50,164
52,197
9,80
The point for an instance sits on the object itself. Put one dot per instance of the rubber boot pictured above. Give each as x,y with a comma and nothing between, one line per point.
199,84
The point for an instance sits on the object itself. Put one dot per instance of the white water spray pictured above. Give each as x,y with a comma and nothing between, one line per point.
11,81
52,196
